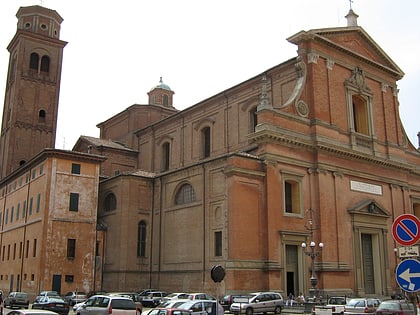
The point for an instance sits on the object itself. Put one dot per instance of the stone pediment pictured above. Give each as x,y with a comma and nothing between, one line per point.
352,40
368,207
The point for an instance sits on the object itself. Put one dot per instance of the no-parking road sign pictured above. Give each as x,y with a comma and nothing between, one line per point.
408,275
406,229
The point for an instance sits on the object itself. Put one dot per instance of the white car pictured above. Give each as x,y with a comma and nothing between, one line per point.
202,307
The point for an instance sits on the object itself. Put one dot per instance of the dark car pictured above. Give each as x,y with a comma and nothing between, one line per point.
52,303
152,299
227,300
46,293
395,307
17,299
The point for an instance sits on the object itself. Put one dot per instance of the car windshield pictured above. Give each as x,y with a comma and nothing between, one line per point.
356,303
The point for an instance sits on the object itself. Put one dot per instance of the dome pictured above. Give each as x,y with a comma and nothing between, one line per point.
162,85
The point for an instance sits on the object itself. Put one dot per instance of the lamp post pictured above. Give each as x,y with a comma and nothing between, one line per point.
313,253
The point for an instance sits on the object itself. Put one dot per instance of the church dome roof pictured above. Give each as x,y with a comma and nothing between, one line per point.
161,85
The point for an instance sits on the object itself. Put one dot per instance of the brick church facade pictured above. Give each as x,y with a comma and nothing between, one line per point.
310,150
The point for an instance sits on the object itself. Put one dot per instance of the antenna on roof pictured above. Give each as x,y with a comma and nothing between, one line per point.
350,1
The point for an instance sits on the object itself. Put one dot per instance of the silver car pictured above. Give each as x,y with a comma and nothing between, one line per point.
105,304
202,307
259,302
361,306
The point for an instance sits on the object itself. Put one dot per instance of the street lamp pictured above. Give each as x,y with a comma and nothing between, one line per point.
312,252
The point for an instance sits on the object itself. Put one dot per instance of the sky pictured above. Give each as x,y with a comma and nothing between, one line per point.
118,50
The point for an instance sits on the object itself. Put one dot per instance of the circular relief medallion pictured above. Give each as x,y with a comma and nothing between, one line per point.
302,108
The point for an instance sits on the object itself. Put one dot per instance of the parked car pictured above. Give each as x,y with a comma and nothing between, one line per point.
31,312
175,296
361,306
77,305
259,302
152,299
395,307
74,297
202,307
46,293
174,303
17,299
52,303
168,311
227,300
200,296
106,304
132,295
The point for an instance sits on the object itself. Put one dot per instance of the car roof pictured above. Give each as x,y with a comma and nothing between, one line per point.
111,296
32,311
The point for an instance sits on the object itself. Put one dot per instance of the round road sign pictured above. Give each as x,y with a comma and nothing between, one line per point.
406,229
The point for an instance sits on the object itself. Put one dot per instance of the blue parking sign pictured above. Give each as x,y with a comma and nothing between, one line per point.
408,275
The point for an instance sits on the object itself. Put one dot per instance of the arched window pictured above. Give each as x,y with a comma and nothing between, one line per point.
41,115
165,156
141,239
45,64
33,63
205,142
185,194
110,202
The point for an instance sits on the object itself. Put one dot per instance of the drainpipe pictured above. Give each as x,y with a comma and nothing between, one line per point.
204,225
227,122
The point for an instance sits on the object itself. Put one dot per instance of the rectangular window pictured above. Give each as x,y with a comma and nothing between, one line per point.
31,201
292,196
38,202
205,142
8,252
74,202
14,251
20,250
18,211
71,248
165,156
34,249
33,173
218,243
11,214
24,209
41,169
75,168
7,216
27,249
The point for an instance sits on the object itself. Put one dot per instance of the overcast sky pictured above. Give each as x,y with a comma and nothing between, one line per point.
118,50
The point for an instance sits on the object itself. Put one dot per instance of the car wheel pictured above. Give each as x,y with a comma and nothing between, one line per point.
249,311
277,310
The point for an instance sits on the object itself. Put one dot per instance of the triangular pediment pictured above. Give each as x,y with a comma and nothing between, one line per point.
368,207
354,41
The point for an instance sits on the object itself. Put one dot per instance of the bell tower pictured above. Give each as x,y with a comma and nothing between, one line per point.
30,109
